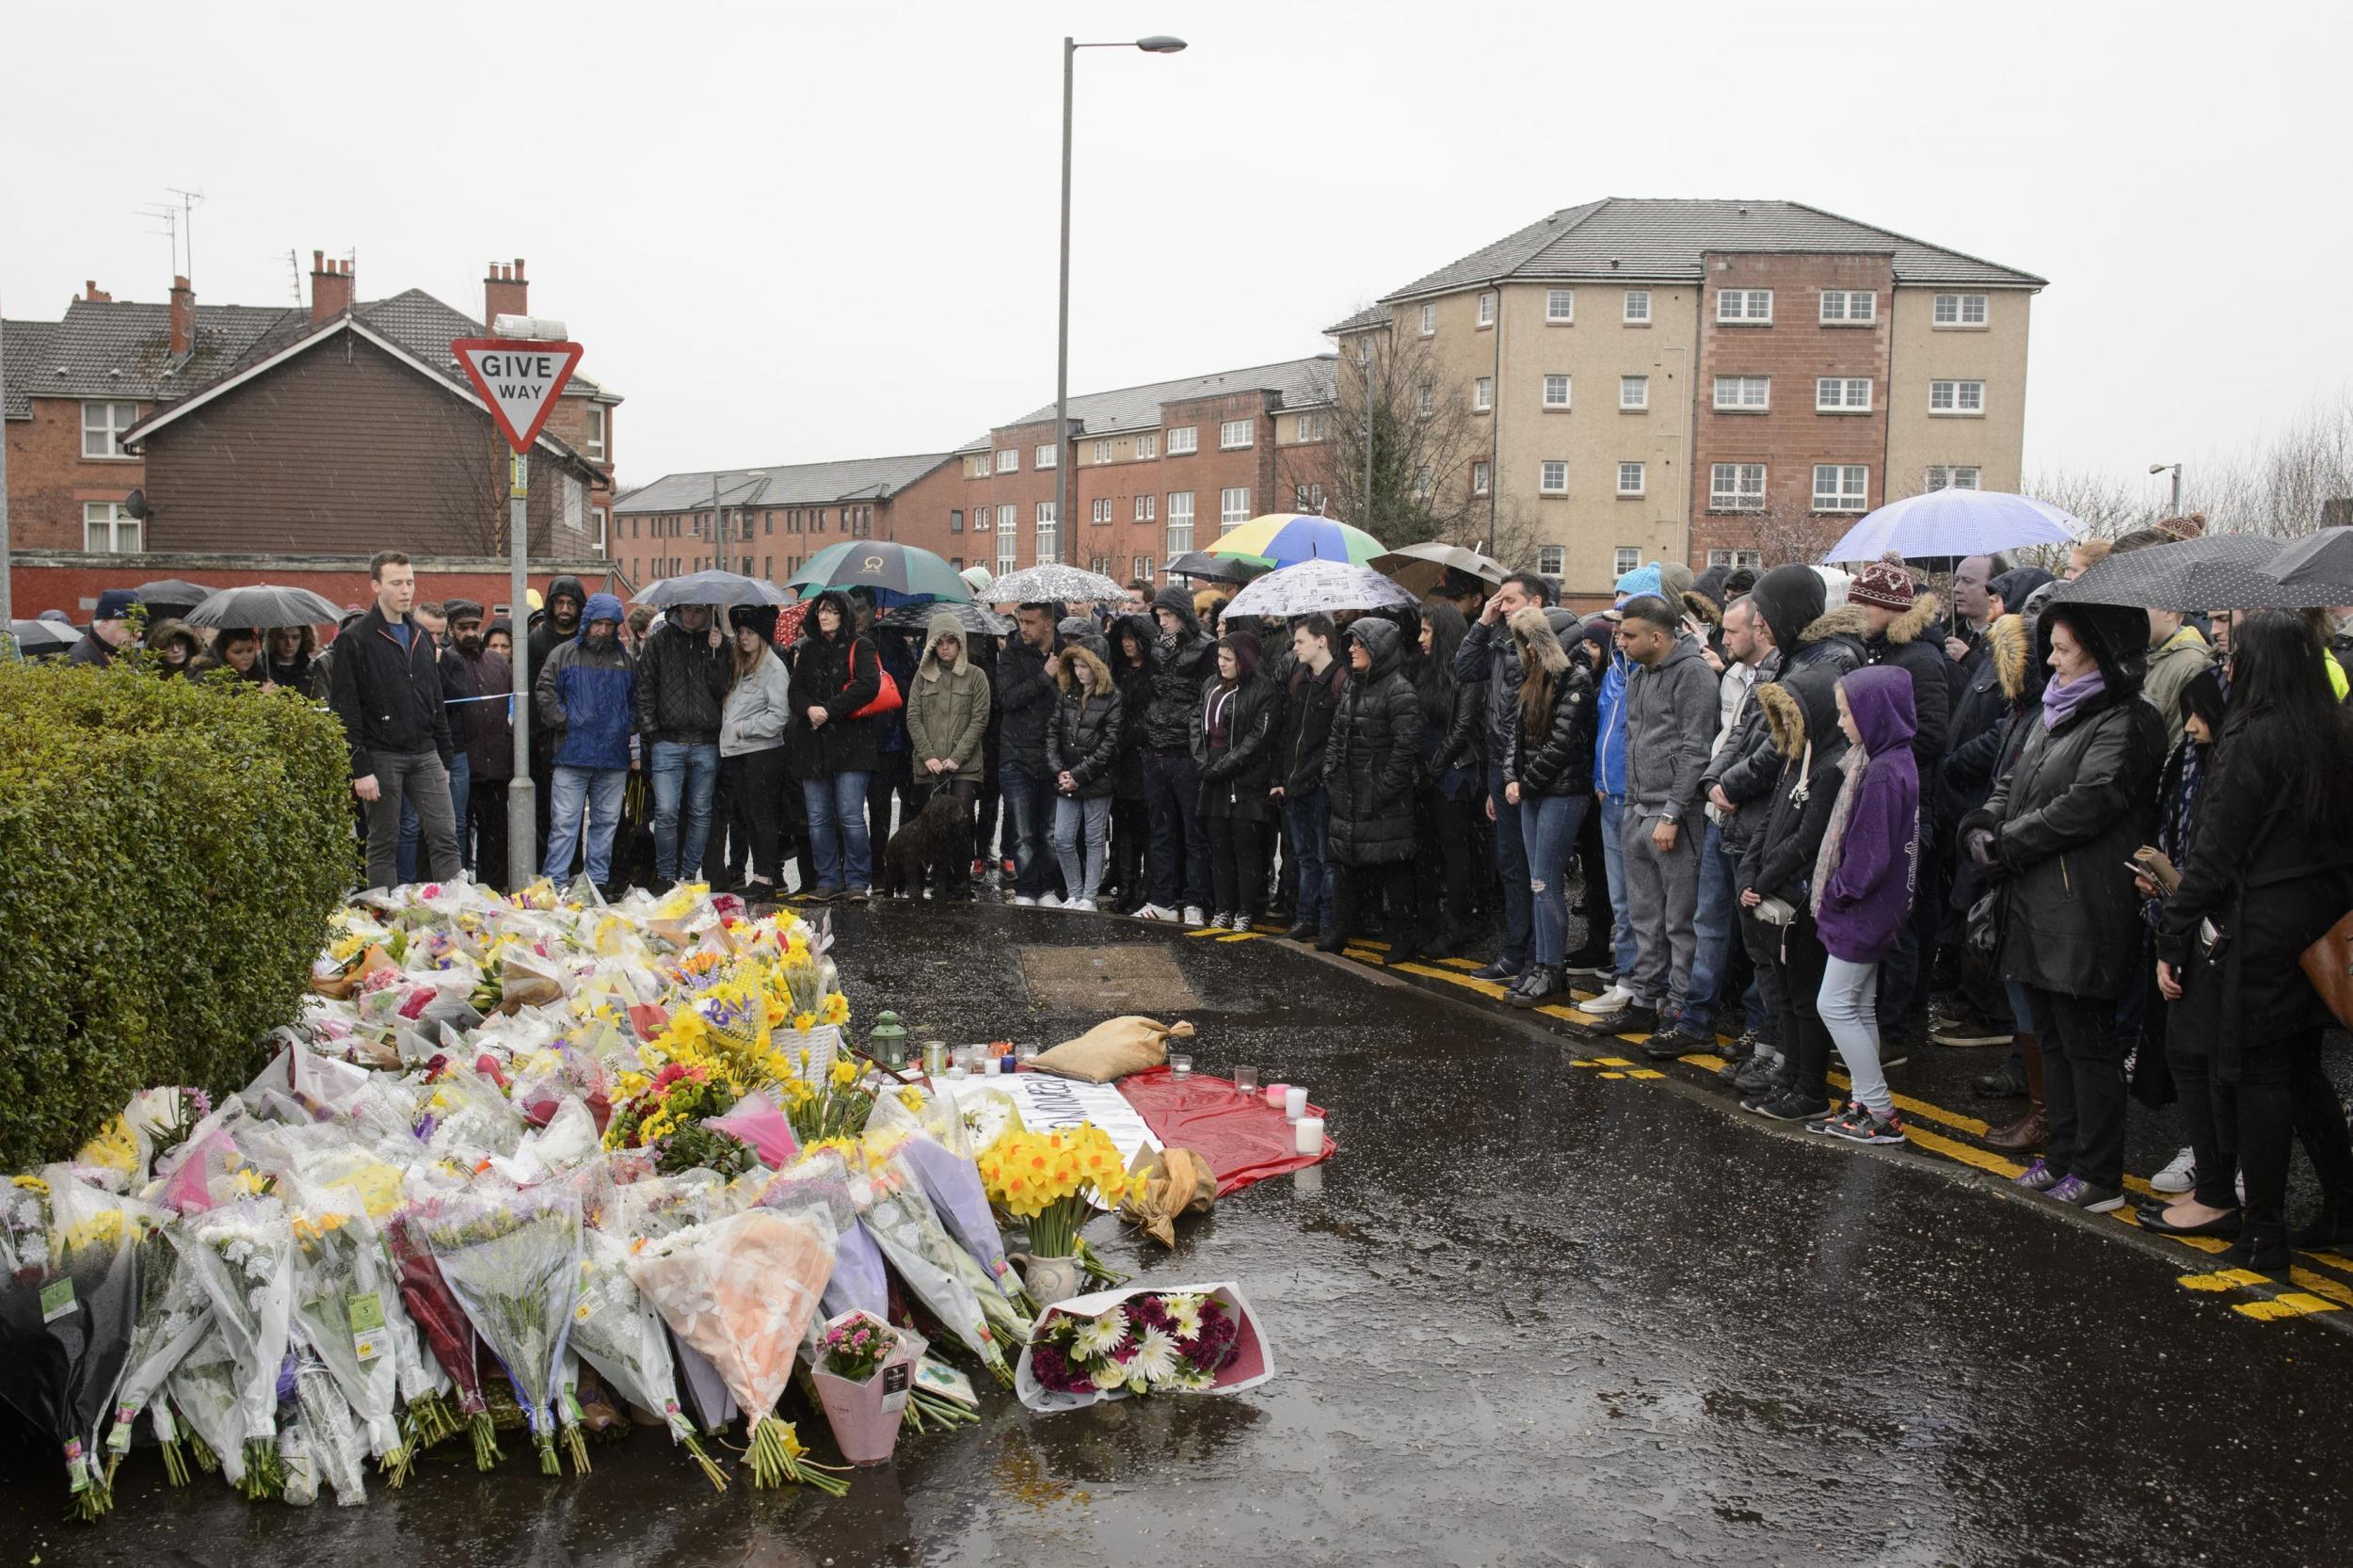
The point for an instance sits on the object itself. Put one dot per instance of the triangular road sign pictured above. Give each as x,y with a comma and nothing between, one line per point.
520,379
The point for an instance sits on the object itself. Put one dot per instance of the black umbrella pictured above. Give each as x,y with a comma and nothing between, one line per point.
39,639
2221,572
975,619
710,587
265,605
176,592
1220,568
2324,557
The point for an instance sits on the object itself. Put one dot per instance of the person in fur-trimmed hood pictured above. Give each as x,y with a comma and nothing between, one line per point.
1548,776
1082,742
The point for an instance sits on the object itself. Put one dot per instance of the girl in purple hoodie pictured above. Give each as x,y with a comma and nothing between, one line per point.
1862,886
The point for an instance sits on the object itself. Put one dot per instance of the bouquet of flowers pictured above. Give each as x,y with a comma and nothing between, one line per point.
1056,1181
1118,1343
952,1286
205,1391
513,1262
341,1284
741,1290
244,1255
70,1257
864,1371
953,1182
436,1311
173,1313
820,1179
616,1331
322,1433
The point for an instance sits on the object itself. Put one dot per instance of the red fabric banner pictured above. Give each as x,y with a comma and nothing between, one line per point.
1243,1138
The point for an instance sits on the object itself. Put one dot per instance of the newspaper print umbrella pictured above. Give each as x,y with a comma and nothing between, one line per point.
265,605
1955,522
2221,572
710,587
2324,557
897,568
1049,584
1318,587
1423,566
1287,538
976,619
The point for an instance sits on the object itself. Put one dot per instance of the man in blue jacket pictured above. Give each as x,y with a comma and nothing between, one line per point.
587,695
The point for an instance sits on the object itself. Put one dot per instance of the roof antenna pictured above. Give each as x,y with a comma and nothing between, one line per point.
168,216
190,201
295,266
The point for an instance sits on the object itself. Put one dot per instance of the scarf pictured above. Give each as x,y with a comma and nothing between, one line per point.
1834,837
2060,699
2177,830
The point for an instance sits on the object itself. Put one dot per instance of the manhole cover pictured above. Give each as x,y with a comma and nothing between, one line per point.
1106,980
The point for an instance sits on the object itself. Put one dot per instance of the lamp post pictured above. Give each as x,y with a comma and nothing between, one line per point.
718,518
1158,43
2160,468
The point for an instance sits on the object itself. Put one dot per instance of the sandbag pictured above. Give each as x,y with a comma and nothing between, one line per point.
1176,1181
1112,1049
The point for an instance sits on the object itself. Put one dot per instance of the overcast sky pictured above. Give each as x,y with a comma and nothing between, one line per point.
788,233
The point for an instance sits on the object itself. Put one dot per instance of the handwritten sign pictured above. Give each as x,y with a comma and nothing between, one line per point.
1046,1102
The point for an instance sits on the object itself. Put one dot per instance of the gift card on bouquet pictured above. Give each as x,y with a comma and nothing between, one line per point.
934,1377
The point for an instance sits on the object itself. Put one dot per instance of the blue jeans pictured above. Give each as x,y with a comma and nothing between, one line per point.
1711,927
1613,861
1029,817
1082,841
1311,844
600,790
679,769
1548,826
1178,870
1511,867
459,775
837,830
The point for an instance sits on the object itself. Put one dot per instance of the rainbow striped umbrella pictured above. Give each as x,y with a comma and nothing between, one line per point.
1286,538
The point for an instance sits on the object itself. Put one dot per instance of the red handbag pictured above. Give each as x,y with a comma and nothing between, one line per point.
887,697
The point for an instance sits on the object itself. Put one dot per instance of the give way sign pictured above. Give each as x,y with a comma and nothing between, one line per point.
520,379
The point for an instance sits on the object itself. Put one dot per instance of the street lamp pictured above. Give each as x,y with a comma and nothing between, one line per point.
1158,43
718,519
2160,468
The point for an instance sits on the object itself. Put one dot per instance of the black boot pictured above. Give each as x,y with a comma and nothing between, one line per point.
1331,940
1299,932
1542,984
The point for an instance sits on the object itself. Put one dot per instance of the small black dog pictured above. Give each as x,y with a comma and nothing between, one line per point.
932,847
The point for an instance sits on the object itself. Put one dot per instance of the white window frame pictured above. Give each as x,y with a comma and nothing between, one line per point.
1960,313
1559,307
1552,476
1639,472
1142,567
118,525
1233,508
1482,394
1008,549
1430,319
1850,488
1738,307
592,445
1556,379
114,418
1478,477
1627,558
1425,400
600,526
1941,476
1740,402
1184,438
1839,307
1148,445
1425,482
1635,311
1552,560
1008,519
1962,399
1307,497
1837,395
1102,508
1237,434
1102,452
1734,559
1048,456
1147,507
1008,459
1310,427
1179,523
1487,307
976,465
1049,536
1634,392
1729,491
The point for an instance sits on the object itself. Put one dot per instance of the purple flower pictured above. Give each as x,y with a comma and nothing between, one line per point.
1051,1367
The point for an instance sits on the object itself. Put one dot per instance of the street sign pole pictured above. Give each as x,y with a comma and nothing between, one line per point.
522,819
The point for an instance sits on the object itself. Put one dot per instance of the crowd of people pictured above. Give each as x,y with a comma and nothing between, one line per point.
1806,812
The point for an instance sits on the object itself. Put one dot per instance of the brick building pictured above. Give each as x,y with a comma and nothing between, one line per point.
767,520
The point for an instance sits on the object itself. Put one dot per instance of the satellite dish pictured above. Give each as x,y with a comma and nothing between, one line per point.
135,503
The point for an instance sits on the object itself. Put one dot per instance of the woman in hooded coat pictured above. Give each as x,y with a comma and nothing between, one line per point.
1548,775
1134,649
1233,745
948,706
1451,781
835,673
1082,744
1369,765
2057,835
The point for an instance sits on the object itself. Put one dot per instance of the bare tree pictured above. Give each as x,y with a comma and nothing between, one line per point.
1424,438
2286,483
1788,532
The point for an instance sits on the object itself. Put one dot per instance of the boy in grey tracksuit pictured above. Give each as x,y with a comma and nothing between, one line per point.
1671,714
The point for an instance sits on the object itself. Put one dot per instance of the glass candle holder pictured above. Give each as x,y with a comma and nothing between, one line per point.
1026,1051
1245,1080
1180,1064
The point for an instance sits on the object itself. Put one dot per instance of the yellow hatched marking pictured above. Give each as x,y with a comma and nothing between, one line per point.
2294,1304
1613,1074
2321,1285
1647,1072
1239,937
1613,1062
2222,1279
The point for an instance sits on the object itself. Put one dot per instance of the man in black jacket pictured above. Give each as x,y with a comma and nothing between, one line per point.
1487,654
1314,691
682,679
1738,779
1026,694
386,687
561,624
1179,864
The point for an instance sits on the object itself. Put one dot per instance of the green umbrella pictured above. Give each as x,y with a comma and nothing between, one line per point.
902,569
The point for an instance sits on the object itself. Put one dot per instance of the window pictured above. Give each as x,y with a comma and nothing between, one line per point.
1478,478
597,527
594,446
1630,479
1956,397
1049,536
1430,321
1235,434
575,500
976,465
1425,481
1102,452
1560,305
1841,488
1183,439
1960,310
1487,308
1008,549
1628,559
1841,394
1946,477
1754,306
108,528
1556,392
1637,306
1483,394
103,425
1102,508
1554,478
1146,507
1148,444
1425,399
1046,456
1551,559
1141,566
1179,523
1849,306
1308,498
1633,392
768,523
955,519
1744,392
1099,565
1311,428
1008,461
1736,487
1005,521
1233,507
1754,560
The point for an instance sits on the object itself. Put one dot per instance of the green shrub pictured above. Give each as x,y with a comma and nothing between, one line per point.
170,851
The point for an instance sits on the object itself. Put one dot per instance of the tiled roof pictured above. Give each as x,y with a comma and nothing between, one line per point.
1297,383
784,483
23,345
1623,237
1371,316
122,348
424,327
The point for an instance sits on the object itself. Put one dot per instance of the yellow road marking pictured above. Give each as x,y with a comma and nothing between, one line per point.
2321,1285
2226,1279
1239,937
2294,1304
1613,1074
1647,1072
1613,1062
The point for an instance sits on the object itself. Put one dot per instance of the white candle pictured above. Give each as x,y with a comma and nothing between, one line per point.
1310,1135
992,1066
1294,1102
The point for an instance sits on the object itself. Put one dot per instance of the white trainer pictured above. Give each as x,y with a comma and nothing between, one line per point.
1615,1000
1023,901
2179,1177
1193,917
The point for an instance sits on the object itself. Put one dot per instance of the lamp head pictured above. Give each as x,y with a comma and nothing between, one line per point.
1161,43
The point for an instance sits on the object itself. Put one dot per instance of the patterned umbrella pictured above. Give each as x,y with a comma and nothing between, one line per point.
2327,556
710,587
2221,572
1287,538
1955,522
1043,585
1315,586
900,568
263,606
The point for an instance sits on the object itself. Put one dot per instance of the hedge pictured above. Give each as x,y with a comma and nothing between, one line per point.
170,852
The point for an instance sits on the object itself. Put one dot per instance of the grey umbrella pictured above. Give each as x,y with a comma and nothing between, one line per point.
2324,557
1218,569
710,587
1314,587
977,619
37,639
2221,572
265,605
1052,583
174,592
1423,566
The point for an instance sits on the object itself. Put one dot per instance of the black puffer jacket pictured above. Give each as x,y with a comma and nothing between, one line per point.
681,684
1135,693
1180,667
1487,656
1025,701
1778,860
1556,757
823,677
1745,765
1084,740
1308,725
1454,755
1368,761
1235,777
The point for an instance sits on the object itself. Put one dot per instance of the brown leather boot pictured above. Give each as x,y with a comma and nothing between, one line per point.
2029,1132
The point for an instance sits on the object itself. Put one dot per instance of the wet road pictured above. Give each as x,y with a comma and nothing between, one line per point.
1528,1314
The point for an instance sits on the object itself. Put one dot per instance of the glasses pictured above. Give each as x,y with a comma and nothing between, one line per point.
1245,1080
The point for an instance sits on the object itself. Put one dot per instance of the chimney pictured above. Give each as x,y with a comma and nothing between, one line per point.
505,294
93,294
331,287
183,318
